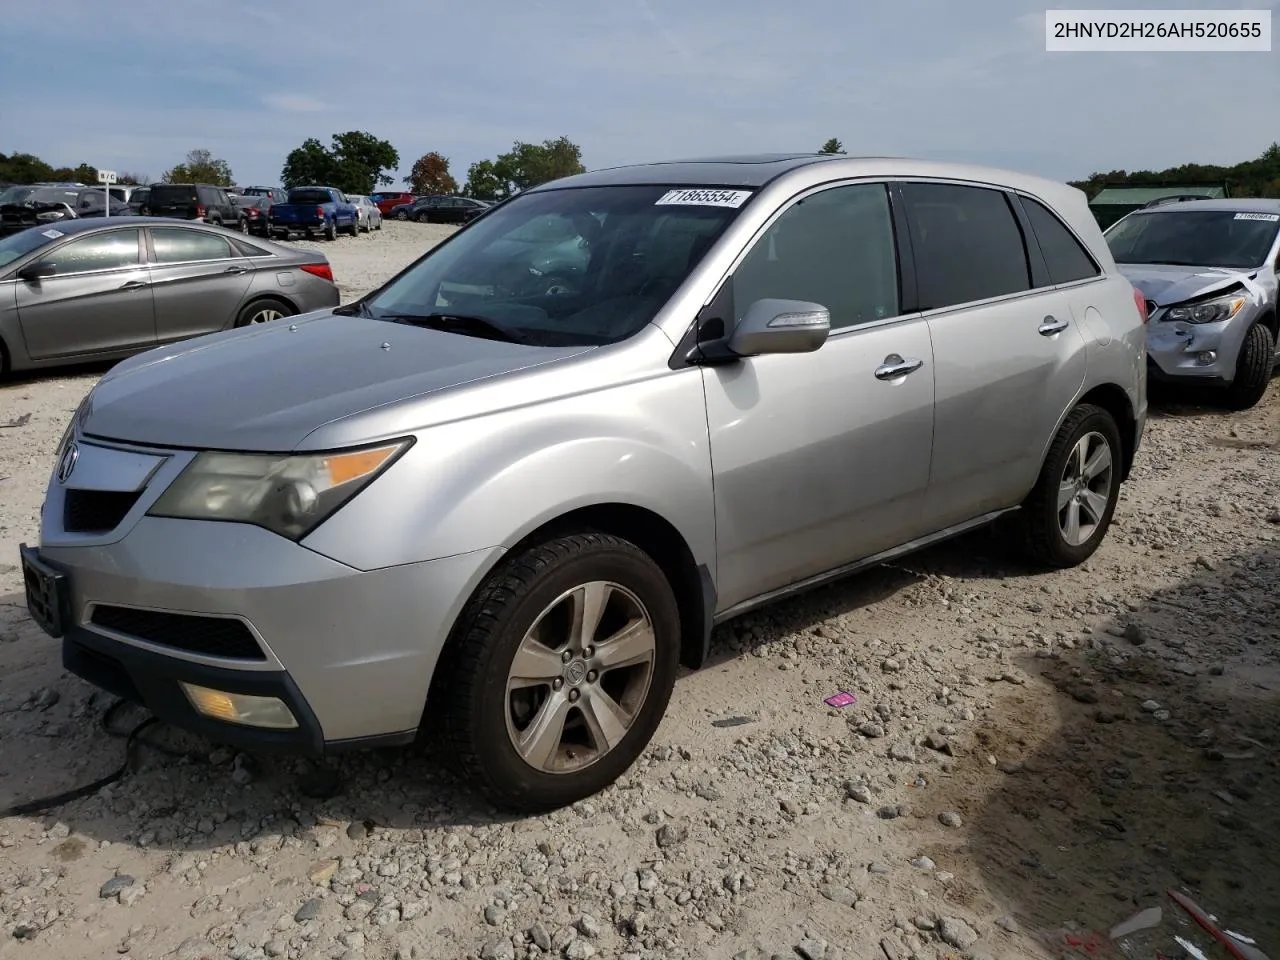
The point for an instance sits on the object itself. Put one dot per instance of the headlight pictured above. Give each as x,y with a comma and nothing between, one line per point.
50,215
1209,311
69,432
289,495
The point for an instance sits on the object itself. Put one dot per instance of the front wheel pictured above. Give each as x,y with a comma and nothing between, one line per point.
1253,369
1068,512
558,671
402,215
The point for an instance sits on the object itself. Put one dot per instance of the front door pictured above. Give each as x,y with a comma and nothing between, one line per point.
821,459
199,281
99,301
1010,355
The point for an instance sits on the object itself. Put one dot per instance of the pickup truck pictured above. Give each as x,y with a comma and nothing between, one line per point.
312,210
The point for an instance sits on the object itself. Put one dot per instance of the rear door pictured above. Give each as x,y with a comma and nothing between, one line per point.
99,301
1009,357
199,280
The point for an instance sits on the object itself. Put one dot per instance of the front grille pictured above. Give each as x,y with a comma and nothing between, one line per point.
209,636
96,511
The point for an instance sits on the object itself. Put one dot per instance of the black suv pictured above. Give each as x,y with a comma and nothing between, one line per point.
195,201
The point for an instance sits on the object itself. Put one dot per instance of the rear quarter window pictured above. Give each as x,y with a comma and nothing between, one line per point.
1064,255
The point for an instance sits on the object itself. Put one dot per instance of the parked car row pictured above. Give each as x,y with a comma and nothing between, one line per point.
439,209
101,289
504,497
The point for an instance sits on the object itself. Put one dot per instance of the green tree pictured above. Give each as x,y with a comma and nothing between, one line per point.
483,181
524,166
355,162
430,175
200,166
310,164
24,168
85,173
137,179
832,146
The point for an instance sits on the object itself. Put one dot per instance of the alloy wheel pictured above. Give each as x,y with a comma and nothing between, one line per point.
580,677
1085,489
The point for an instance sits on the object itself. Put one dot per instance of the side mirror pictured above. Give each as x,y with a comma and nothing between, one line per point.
38,270
780,326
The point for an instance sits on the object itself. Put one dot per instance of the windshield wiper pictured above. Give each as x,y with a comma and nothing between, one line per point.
465,324
357,309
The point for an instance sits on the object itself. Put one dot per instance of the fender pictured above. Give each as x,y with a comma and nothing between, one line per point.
489,481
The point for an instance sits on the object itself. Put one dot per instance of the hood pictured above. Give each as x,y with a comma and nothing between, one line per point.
1168,285
265,388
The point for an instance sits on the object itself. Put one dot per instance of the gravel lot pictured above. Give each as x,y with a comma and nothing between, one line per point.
1032,758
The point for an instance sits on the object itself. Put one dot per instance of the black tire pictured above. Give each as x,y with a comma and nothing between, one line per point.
250,313
422,218
468,702
244,226
1253,369
1045,541
379,226
331,230
368,228
402,215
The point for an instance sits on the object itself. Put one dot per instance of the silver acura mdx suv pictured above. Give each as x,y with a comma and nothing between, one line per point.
498,508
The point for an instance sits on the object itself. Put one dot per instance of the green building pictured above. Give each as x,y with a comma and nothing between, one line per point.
1112,203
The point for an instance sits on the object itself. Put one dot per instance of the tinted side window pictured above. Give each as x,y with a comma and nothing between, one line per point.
835,248
1066,258
968,245
102,251
180,246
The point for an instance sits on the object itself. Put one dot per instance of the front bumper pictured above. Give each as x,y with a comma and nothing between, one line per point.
156,601
1181,351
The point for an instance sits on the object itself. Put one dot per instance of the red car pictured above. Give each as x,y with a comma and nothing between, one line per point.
385,200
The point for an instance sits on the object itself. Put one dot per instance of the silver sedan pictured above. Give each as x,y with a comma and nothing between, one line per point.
103,289
367,213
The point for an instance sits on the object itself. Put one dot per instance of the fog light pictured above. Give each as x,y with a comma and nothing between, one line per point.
1206,357
241,708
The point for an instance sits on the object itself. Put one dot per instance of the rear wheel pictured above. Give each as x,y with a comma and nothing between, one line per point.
355,226
559,671
244,226
1067,514
263,311
331,230
1253,369
421,218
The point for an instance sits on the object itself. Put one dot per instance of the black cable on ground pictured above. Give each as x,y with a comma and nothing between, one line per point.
132,739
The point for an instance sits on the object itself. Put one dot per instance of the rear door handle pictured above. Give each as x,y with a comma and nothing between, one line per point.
133,285
1049,326
895,366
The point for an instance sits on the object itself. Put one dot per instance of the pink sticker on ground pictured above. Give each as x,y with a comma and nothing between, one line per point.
840,699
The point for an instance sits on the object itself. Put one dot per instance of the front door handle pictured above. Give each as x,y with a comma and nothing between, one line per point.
895,366
1049,326
133,285
235,270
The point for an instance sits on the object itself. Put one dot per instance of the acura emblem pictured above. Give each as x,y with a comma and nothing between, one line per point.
68,462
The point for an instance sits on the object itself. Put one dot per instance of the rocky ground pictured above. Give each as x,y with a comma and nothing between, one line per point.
1031,759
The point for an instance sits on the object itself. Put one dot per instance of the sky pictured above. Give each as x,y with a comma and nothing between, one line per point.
134,85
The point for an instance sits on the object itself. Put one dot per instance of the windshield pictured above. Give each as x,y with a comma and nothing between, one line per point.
38,195
20,244
1195,238
16,194
563,267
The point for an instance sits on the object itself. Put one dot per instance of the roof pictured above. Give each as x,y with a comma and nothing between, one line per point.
1136,196
757,170
1240,205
